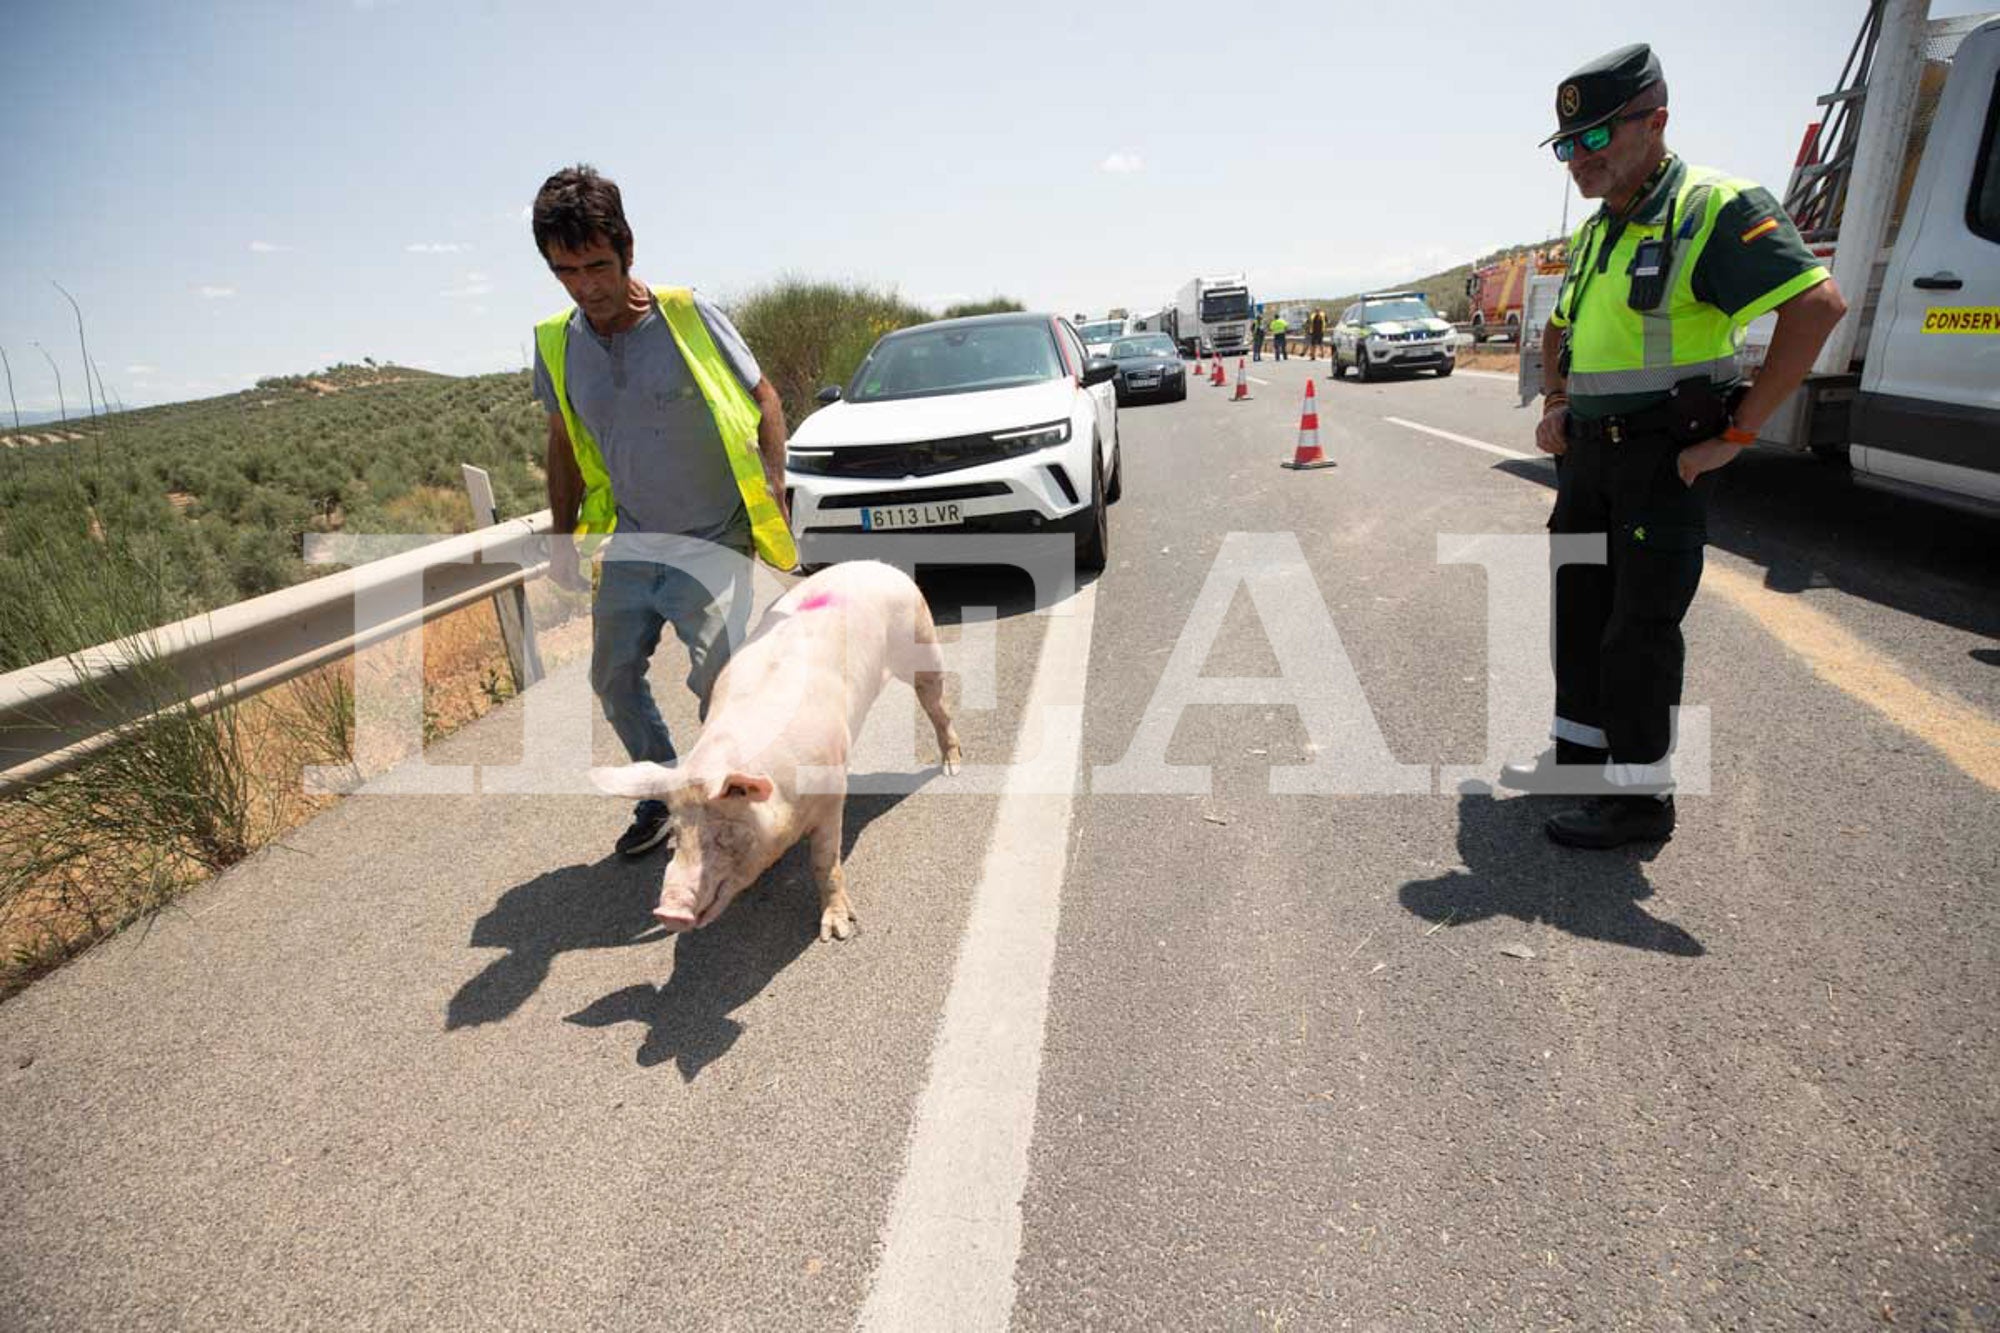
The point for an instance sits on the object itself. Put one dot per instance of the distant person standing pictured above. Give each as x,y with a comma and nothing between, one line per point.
661,426
1642,401
1278,327
1315,334
1257,338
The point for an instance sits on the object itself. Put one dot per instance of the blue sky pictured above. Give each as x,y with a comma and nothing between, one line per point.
232,191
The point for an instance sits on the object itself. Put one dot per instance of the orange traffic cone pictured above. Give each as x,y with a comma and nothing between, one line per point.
1242,382
1218,378
1309,454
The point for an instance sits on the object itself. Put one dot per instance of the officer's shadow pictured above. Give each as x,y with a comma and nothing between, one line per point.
720,968
1512,869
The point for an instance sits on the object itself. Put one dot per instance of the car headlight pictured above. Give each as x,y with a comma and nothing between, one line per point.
1028,440
1377,339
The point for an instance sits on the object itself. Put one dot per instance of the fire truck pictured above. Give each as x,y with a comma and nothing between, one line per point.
1496,291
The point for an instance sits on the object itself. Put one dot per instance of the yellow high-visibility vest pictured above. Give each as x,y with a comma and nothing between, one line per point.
1616,350
736,418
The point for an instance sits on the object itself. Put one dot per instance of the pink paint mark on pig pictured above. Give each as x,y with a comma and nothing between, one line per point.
818,600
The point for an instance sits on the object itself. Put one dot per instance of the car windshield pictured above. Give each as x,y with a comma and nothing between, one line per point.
1103,331
1409,307
1225,305
957,359
1158,344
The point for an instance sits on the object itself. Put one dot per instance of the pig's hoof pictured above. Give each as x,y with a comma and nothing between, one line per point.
835,923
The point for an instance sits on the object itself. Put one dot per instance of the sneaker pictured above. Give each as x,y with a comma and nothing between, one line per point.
650,828
1566,769
1613,821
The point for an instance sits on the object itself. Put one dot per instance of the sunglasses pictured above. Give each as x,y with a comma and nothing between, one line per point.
1593,139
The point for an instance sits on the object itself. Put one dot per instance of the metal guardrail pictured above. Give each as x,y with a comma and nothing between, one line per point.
56,714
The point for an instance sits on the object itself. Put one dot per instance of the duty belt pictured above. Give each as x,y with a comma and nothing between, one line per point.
1695,410
1653,422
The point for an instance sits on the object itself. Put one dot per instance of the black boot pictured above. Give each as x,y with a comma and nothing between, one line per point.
1566,769
1613,821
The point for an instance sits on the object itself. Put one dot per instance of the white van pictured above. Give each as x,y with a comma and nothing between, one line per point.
1921,412
1929,411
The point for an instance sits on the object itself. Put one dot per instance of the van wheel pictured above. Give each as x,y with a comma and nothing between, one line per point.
1094,540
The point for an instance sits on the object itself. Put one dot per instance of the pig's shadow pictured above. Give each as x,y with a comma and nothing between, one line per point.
723,966
1512,869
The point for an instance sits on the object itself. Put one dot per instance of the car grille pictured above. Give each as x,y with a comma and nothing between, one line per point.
1412,336
924,458
915,495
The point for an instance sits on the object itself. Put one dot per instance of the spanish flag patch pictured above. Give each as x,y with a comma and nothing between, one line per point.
1764,228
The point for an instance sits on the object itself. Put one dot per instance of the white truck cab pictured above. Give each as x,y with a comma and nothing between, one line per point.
1928,415
1915,405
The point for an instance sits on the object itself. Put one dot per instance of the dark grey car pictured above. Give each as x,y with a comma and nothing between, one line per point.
1149,366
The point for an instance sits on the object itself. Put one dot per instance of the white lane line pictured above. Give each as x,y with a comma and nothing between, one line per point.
954,1229
1491,375
1466,440
1255,380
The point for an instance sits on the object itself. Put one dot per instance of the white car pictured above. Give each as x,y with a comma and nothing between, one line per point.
1392,331
1099,334
995,423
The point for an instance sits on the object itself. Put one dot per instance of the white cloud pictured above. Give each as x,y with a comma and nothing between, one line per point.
142,370
211,293
1122,164
435,248
267,248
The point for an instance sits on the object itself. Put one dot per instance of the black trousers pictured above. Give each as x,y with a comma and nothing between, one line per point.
1619,653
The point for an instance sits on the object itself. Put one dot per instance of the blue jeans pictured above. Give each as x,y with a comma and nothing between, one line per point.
706,598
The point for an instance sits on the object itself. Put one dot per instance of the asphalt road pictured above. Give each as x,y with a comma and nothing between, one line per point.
1332,1060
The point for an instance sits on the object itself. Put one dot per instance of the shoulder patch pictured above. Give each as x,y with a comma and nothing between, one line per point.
1764,228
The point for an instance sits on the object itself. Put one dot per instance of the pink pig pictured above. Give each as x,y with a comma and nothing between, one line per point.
793,696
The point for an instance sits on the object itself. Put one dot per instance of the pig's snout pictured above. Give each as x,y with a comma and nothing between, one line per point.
675,918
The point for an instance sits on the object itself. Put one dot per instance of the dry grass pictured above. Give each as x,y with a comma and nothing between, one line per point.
65,895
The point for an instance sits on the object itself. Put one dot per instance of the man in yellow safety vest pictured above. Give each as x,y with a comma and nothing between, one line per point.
1642,402
662,427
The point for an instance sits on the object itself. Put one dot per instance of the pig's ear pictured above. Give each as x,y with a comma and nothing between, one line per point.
743,785
644,779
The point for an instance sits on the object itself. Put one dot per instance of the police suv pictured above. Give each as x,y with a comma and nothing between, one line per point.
1392,331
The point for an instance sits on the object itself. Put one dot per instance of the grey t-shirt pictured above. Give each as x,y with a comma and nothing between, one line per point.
633,392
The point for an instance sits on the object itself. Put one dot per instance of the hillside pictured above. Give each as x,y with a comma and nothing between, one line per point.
161,512
1445,290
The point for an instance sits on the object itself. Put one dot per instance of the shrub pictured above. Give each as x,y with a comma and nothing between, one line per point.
809,334
996,305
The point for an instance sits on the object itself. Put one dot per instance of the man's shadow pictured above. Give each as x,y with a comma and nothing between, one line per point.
716,970
1512,869
604,906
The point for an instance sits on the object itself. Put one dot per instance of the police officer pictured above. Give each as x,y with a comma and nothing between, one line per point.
1642,402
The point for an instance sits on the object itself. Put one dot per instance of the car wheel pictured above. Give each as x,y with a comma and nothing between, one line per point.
1116,486
1364,369
1446,369
1181,397
1093,541
1339,367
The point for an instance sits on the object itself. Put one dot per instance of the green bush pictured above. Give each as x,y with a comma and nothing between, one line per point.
807,335
997,305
